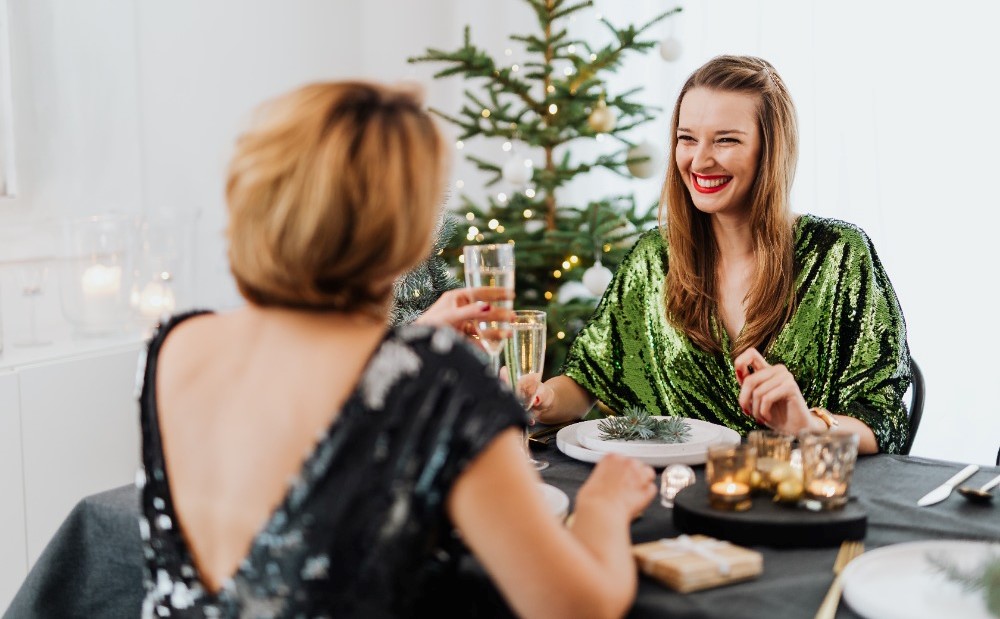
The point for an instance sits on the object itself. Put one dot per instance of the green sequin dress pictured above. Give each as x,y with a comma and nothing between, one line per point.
845,344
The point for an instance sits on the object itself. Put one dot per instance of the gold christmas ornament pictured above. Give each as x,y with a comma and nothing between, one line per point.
644,160
602,119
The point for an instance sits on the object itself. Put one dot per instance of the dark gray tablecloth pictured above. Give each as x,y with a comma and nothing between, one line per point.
92,566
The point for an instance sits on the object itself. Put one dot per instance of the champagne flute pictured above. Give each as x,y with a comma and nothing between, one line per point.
525,352
491,266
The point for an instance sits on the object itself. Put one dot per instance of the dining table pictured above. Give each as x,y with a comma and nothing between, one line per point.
92,566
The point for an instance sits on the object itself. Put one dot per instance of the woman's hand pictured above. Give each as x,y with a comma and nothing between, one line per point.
771,396
460,307
620,483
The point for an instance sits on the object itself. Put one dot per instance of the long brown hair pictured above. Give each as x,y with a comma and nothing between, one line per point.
692,281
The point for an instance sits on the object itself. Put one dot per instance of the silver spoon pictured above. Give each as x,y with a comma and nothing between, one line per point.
980,495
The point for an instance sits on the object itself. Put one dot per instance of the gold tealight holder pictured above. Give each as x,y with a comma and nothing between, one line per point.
774,452
728,469
827,465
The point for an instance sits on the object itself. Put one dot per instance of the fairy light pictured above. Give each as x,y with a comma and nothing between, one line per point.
486,113
566,264
593,57
460,145
571,49
560,335
492,225
557,274
459,183
548,295
574,259
528,163
508,52
607,248
480,238
507,146
568,71
470,216
530,192
461,259
527,213
500,229
550,89
473,231
502,198
515,68
510,242
553,108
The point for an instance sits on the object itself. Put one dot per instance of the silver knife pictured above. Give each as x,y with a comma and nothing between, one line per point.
941,492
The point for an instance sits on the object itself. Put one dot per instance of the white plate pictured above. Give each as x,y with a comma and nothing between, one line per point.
898,581
703,434
556,499
568,443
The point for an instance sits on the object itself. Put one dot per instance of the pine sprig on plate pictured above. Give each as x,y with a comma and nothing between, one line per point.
638,425
986,577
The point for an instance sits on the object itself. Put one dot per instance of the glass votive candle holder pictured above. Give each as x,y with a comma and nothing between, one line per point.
827,465
774,453
728,469
675,478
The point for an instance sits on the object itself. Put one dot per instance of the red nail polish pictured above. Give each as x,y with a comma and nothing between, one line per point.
485,308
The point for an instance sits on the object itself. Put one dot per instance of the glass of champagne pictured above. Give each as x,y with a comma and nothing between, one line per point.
491,266
525,352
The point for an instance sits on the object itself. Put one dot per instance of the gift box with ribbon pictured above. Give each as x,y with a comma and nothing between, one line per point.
691,563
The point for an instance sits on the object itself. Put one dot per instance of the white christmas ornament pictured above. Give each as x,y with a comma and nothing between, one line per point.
517,170
571,291
597,278
670,49
534,225
649,153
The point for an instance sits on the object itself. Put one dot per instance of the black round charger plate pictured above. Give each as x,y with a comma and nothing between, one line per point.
768,523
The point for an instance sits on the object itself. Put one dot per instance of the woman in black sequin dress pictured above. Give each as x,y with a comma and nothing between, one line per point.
300,459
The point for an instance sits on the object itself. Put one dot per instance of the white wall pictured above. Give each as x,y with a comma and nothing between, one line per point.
133,106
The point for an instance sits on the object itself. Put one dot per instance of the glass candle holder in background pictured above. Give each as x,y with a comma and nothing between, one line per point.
827,465
728,469
774,452
95,275
166,254
675,478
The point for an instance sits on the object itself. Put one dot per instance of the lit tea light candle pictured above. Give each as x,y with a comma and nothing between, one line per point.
729,495
826,488
730,488
99,280
156,299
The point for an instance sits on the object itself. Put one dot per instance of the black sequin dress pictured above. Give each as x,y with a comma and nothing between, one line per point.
362,531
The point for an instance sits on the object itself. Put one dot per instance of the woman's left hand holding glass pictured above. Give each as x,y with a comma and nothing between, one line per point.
771,396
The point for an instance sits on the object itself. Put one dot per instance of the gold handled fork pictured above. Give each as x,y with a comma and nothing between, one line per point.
849,550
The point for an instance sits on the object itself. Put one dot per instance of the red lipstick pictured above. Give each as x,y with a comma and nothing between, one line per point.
716,189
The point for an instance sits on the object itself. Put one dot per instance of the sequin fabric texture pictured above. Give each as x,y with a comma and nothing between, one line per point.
362,531
845,344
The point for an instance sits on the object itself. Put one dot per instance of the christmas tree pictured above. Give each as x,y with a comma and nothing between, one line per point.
548,105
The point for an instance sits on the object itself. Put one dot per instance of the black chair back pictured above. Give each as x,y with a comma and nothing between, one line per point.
916,405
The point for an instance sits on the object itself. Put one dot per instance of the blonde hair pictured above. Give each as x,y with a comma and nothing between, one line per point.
691,293
332,194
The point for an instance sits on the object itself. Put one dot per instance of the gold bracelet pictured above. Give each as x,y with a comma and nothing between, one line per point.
827,417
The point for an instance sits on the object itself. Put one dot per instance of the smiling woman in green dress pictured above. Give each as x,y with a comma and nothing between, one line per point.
736,310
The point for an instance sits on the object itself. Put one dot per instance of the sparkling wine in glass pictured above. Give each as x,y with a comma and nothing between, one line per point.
491,266
525,357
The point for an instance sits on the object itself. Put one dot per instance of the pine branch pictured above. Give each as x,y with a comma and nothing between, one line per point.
638,425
